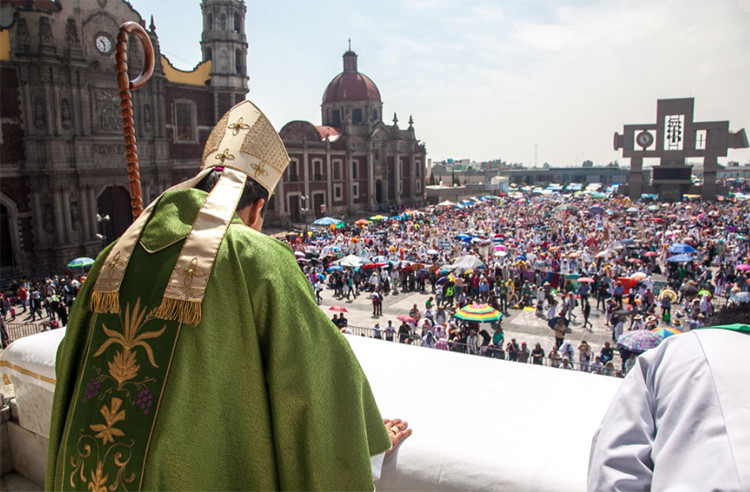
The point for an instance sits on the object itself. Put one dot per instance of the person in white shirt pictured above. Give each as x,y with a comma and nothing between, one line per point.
679,420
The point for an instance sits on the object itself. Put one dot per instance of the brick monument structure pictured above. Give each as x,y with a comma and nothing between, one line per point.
673,138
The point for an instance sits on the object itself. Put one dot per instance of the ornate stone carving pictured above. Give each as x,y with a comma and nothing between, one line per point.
71,33
40,118
22,32
45,31
108,108
65,116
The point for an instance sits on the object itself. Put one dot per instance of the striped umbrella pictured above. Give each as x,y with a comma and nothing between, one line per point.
481,313
666,332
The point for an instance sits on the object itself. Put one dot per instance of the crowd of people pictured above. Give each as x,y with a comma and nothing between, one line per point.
643,265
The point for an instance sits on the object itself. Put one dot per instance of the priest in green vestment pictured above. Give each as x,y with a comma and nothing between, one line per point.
196,357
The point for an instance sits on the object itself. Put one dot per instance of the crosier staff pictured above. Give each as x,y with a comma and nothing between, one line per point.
125,85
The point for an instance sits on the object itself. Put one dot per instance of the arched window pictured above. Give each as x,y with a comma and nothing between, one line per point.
238,65
237,23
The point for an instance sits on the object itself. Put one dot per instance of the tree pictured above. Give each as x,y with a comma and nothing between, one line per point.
545,165
588,163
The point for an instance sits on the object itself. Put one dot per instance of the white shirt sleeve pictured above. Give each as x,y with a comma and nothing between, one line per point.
376,464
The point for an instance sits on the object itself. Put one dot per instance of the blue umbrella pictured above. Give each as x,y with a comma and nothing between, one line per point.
326,221
81,262
681,248
680,258
464,237
334,268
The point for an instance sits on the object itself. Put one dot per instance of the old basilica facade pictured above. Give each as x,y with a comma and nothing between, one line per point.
63,182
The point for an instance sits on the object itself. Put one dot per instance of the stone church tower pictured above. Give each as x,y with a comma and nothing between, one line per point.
224,42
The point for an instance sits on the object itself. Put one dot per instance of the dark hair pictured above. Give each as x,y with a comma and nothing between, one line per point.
739,313
253,191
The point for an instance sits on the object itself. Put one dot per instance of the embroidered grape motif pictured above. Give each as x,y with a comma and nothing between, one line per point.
145,398
92,390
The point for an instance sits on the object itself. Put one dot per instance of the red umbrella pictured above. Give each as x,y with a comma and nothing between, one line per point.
405,319
651,253
340,309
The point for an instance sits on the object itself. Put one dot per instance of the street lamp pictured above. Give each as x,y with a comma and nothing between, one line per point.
304,211
103,224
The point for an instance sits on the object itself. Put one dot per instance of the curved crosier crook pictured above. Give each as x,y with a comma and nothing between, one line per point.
125,85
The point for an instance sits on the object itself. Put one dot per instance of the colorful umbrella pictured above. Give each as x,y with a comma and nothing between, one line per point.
703,292
586,280
340,309
81,262
666,332
481,313
638,341
681,248
361,222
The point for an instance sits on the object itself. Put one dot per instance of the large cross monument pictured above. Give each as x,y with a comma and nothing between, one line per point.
673,138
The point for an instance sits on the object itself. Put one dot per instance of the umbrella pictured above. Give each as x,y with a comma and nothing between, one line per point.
638,276
597,210
340,309
666,332
81,262
681,258
299,254
635,260
650,254
689,290
334,268
326,221
377,217
633,210
703,292
669,293
586,280
566,206
361,222
638,341
681,248
432,252
405,319
743,268
480,313
740,297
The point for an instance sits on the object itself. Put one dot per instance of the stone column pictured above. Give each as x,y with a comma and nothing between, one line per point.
84,212
329,181
370,180
67,222
397,180
413,186
57,207
348,170
37,211
93,209
279,197
306,169
635,181
708,191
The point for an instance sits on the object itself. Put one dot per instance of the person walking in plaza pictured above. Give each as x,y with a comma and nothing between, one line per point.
586,313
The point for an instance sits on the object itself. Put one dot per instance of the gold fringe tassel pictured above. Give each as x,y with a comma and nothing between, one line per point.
186,312
105,302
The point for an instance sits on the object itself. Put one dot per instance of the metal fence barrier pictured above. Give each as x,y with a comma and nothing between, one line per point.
20,330
485,351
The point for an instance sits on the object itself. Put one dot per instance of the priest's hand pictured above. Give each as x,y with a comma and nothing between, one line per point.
398,431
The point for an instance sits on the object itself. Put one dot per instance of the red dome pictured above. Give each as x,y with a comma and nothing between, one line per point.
351,86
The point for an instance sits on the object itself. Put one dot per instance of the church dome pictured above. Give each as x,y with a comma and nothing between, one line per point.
350,85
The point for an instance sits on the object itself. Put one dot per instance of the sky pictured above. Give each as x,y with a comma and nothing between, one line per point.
528,81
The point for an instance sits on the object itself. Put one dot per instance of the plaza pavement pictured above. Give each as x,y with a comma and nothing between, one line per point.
523,325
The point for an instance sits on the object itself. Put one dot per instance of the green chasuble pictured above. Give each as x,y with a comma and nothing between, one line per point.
264,393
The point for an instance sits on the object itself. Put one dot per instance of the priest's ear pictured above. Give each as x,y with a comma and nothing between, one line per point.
252,215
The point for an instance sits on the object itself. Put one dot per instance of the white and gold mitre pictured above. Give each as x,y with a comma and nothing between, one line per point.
245,144
245,140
